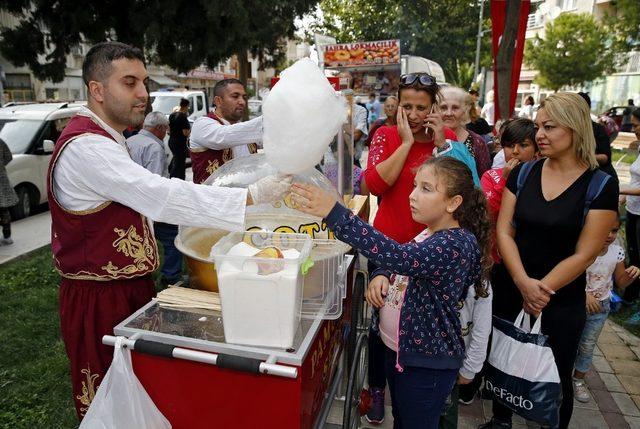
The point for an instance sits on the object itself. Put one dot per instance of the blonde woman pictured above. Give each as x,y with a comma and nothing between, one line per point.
545,240
456,106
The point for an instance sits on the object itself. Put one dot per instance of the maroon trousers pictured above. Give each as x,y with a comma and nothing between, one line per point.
88,310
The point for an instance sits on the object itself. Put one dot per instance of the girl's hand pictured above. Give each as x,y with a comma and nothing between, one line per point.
622,200
464,380
403,127
529,309
593,305
633,272
513,163
435,123
377,291
312,200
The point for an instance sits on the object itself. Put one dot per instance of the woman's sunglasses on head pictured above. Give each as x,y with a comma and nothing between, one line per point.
419,78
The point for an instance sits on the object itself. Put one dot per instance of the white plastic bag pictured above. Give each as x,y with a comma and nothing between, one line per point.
522,373
121,401
302,115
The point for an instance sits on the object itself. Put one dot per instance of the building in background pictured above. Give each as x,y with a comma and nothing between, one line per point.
612,90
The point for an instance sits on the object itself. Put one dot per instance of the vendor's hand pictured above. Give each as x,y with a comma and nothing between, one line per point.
403,127
377,291
513,163
312,200
535,293
435,123
633,272
464,380
269,189
593,305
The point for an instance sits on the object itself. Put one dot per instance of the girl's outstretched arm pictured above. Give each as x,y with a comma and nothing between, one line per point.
426,259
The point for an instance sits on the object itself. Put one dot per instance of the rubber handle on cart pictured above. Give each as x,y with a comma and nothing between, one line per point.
154,348
238,363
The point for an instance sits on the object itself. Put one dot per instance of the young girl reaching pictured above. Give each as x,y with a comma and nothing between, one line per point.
440,270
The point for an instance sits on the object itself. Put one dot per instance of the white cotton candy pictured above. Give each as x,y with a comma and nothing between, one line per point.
302,115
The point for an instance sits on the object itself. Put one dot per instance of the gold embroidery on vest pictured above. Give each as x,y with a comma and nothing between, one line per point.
212,166
226,155
88,390
133,246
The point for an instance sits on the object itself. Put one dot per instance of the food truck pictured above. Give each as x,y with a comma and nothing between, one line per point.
290,336
376,66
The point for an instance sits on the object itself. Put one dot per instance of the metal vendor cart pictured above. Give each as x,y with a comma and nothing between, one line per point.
198,380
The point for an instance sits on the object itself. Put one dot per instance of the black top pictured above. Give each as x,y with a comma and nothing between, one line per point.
177,122
547,231
603,147
480,126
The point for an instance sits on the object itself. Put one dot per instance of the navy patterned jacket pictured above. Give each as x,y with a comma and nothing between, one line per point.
441,269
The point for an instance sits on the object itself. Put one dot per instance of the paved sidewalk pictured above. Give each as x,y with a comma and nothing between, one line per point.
28,235
614,384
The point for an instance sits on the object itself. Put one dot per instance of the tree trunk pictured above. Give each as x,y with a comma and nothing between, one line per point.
243,66
504,59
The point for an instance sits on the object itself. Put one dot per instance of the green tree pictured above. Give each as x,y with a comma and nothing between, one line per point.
575,50
624,26
444,32
179,33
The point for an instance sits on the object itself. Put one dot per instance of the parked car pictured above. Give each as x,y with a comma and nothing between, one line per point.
255,108
30,131
616,113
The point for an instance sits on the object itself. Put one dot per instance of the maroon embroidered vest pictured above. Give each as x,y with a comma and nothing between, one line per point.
109,242
205,161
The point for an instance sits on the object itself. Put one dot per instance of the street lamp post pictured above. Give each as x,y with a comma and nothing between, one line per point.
476,67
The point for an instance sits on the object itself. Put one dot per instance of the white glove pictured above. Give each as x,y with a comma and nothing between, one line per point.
270,188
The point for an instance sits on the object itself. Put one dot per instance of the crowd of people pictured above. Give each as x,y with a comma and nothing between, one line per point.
455,241
544,242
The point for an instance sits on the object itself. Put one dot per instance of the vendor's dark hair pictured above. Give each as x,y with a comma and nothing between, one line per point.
472,213
218,89
97,62
518,130
184,103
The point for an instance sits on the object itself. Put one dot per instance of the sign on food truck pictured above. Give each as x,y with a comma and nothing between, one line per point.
362,53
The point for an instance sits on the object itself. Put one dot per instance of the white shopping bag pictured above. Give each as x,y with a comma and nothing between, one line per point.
121,401
521,371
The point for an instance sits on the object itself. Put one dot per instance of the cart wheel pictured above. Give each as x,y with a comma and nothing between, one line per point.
357,302
357,375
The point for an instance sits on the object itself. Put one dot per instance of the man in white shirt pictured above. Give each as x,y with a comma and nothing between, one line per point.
221,136
360,126
103,245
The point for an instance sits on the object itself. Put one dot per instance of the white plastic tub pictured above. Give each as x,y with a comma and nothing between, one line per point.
260,307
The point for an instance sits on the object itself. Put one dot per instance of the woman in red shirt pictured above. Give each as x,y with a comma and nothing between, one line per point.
396,154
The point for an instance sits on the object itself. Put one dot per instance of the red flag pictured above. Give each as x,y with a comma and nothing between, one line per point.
498,14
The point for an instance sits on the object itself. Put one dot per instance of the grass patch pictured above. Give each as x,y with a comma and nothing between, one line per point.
627,157
621,317
35,382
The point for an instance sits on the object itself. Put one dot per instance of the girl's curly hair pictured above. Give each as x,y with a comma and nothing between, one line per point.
472,213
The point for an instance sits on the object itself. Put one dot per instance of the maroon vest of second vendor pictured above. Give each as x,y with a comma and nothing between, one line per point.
109,242
205,161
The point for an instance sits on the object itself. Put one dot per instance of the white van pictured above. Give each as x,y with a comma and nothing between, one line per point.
30,131
167,101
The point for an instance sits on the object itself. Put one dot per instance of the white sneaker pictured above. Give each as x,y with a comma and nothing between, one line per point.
580,390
